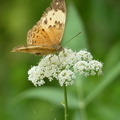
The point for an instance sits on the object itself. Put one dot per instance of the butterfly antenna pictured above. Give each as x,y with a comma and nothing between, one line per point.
72,38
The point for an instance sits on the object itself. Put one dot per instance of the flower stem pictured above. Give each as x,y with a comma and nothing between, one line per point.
65,102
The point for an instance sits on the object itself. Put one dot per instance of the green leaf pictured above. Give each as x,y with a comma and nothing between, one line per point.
50,94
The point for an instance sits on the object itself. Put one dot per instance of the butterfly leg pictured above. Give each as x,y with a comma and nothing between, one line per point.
64,52
59,59
50,58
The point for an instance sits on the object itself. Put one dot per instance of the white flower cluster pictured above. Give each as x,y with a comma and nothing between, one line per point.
63,67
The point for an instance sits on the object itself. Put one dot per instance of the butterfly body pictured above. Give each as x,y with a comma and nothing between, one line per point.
45,37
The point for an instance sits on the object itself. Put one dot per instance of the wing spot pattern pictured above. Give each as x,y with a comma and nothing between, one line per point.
45,21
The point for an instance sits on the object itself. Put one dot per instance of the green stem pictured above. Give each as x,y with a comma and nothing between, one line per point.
65,103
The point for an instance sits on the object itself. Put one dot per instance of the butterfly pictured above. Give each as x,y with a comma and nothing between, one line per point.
45,37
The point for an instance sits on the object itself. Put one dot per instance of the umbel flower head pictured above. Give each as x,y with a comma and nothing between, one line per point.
63,67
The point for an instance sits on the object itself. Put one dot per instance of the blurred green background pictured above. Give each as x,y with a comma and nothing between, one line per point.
99,23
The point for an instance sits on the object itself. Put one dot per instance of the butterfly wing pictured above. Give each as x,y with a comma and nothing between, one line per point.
45,36
36,49
50,28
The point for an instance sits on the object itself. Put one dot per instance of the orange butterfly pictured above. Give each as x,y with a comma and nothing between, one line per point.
44,38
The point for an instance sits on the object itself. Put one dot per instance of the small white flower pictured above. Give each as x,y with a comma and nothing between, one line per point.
63,67
35,76
66,77
82,68
67,58
95,66
83,55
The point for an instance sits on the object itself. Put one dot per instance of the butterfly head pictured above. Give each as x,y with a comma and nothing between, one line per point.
58,48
